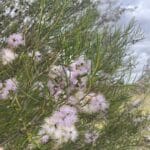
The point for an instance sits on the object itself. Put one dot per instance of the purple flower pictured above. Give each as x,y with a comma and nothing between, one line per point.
8,56
101,102
11,84
94,103
81,66
67,114
60,126
4,94
16,40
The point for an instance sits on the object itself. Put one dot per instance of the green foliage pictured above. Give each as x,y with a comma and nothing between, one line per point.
67,29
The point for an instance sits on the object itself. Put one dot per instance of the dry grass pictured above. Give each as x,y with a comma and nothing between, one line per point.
145,103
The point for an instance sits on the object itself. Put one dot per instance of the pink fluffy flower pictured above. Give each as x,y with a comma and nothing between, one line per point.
93,103
7,56
4,94
9,85
66,116
60,126
81,66
15,40
101,102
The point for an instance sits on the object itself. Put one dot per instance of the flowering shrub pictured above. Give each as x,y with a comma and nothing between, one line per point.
67,84
62,77
6,87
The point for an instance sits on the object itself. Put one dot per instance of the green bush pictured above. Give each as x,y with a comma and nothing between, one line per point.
56,36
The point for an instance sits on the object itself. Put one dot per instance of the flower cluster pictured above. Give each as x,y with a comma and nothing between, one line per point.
60,126
8,86
70,84
93,103
66,80
8,55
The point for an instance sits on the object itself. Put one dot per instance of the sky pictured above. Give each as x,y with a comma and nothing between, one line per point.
142,16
